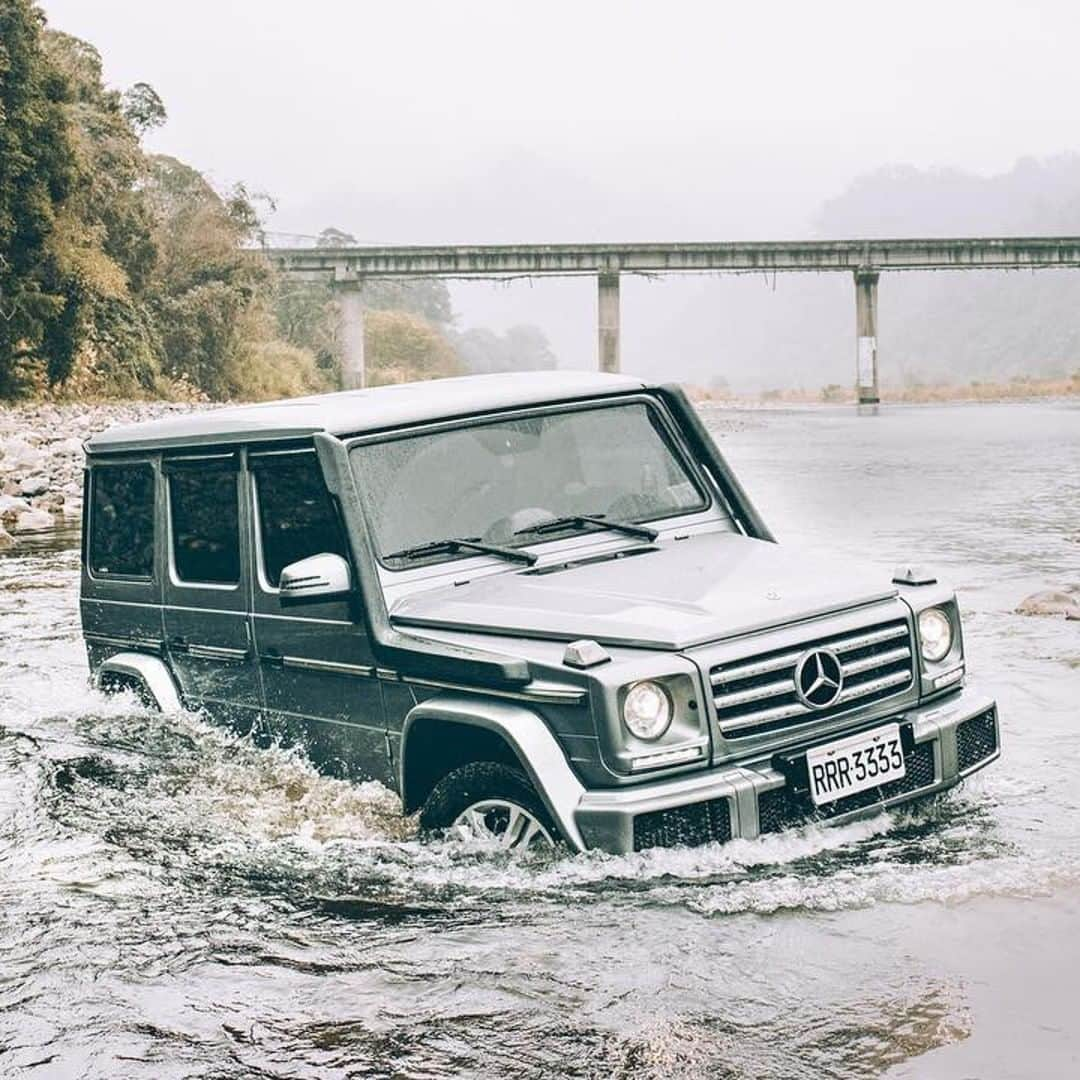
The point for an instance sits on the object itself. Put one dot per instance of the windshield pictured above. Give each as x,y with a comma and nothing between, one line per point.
492,481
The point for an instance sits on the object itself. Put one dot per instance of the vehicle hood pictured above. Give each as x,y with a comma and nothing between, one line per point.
683,593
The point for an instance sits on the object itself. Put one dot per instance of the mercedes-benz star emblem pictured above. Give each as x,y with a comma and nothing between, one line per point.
819,678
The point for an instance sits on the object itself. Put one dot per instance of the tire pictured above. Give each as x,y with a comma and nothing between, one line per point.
490,801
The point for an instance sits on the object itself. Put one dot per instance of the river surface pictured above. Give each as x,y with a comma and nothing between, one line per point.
176,903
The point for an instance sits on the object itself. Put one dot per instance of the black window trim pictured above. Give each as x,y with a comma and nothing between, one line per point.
227,462
258,461
93,470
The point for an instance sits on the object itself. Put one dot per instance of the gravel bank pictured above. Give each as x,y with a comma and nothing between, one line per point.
41,459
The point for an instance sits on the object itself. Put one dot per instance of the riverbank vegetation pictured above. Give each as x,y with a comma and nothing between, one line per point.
127,275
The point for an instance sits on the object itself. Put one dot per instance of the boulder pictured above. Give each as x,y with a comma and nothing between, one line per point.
6,539
20,458
51,501
34,485
33,520
1061,602
67,448
10,508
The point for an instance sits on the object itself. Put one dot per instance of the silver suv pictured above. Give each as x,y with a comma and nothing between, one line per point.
540,607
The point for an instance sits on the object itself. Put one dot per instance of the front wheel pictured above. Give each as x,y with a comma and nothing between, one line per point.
490,802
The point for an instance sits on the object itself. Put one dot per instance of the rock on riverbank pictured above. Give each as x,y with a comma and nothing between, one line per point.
41,459
1063,602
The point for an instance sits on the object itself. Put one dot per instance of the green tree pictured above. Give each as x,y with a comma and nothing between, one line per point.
103,243
402,347
307,312
38,305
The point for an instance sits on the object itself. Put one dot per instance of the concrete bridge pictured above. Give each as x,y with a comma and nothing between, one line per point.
347,268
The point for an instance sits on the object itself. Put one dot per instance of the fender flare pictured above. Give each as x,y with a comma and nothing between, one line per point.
528,736
148,670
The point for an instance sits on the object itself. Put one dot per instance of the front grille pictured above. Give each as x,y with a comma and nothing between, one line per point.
757,694
697,823
975,739
781,808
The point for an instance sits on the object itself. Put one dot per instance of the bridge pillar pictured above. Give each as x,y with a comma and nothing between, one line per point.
866,373
350,302
608,320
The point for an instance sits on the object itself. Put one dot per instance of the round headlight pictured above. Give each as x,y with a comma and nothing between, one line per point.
935,634
647,710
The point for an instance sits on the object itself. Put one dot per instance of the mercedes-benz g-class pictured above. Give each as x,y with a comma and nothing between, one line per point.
540,607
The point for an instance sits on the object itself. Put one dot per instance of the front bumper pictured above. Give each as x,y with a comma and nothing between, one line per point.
950,740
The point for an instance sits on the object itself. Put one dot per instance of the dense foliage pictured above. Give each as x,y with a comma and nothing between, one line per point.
37,175
127,274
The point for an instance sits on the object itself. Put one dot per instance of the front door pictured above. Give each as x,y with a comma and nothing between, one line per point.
318,671
207,620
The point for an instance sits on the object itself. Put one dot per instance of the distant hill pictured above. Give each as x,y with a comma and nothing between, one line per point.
798,330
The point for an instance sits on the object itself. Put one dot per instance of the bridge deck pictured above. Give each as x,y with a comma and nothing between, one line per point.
497,260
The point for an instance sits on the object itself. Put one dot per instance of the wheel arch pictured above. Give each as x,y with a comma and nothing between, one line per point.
516,734
148,673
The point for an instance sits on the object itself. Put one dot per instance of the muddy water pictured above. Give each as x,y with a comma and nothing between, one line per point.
175,903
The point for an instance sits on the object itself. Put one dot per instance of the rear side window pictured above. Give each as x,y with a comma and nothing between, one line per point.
205,525
122,521
296,515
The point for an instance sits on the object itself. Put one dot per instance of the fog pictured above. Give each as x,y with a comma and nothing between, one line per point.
488,122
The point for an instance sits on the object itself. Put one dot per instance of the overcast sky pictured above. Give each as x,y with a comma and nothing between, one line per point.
497,120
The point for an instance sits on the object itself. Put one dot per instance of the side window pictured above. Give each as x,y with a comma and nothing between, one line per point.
296,515
122,521
205,525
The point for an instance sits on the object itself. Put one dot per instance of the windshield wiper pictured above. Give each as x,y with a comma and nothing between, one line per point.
642,532
463,543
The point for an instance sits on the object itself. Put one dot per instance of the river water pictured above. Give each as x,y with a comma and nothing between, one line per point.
176,903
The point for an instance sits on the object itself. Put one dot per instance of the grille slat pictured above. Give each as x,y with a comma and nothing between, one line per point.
868,663
750,698
876,637
719,676
757,693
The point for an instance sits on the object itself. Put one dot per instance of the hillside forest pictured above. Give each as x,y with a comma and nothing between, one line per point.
128,274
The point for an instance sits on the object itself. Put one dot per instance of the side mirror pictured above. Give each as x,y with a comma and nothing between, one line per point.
320,577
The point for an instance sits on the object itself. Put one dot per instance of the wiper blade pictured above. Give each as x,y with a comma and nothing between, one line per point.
642,532
463,543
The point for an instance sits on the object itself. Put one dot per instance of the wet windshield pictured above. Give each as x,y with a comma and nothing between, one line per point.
493,481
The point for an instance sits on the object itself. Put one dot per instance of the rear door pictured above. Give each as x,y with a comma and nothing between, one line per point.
207,619
318,671
122,563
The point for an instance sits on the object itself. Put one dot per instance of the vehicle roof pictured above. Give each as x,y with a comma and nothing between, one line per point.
354,412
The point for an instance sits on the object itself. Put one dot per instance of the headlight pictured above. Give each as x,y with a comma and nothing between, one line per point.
935,634
647,710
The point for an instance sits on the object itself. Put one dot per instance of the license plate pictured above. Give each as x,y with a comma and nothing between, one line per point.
851,765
